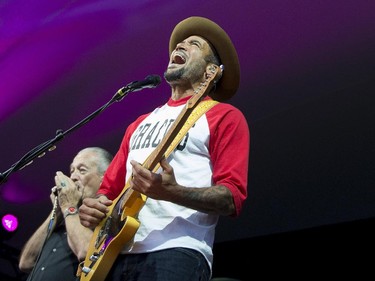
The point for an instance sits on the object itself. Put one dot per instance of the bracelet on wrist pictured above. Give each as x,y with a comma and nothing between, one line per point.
70,211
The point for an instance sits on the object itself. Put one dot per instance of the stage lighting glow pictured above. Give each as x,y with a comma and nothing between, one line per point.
9,222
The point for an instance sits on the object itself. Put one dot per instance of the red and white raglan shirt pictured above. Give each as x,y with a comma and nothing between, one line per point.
215,151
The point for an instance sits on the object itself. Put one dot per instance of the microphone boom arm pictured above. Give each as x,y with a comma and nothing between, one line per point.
50,145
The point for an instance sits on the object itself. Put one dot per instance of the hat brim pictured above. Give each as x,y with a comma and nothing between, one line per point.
203,27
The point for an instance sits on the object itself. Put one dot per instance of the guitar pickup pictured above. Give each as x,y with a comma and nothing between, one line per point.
103,233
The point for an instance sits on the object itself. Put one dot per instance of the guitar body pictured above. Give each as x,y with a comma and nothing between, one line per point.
112,235
118,228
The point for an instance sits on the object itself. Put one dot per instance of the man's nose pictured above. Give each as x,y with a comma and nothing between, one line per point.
180,45
74,177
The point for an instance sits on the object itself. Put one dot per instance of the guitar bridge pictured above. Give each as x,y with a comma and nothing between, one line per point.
93,258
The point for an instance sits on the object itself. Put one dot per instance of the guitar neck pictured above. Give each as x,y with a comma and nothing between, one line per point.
155,157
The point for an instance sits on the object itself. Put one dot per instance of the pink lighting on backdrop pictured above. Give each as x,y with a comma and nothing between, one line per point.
9,222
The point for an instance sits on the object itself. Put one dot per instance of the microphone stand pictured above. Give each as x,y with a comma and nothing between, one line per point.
40,150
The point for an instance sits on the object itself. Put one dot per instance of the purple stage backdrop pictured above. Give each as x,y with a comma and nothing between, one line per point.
307,81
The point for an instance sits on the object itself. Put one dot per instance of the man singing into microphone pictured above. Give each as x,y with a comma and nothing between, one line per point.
203,178
54,251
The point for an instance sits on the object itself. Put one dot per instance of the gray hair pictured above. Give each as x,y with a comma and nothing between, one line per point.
105,158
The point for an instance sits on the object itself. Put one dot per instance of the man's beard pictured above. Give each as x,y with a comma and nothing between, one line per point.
193,73
173,76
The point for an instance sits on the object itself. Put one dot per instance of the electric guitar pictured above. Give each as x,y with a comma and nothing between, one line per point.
118,228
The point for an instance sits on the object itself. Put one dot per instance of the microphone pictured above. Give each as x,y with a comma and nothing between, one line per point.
151,81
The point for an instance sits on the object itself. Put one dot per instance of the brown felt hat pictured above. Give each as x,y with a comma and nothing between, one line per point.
203,27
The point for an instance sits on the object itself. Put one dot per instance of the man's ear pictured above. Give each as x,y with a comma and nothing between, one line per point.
210,69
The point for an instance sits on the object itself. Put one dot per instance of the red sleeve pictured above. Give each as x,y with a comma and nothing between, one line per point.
114,178
230,150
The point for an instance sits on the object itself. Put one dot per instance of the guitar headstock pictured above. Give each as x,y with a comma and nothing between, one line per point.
213,75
